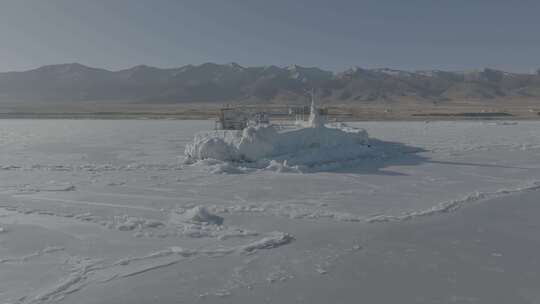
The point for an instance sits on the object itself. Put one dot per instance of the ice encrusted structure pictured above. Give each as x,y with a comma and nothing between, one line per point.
314,120
308,145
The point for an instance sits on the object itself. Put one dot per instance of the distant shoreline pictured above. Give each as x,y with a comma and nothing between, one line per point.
344,112
465,116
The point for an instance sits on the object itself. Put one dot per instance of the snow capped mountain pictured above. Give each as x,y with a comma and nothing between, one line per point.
211,82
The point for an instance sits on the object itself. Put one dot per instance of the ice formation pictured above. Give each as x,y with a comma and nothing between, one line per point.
275,239
266,145
200,215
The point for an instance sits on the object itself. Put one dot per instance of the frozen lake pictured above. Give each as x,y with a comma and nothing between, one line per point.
104,211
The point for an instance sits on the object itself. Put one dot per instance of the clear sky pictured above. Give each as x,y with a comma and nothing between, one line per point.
332,34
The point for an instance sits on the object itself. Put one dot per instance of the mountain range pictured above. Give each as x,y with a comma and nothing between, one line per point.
232,83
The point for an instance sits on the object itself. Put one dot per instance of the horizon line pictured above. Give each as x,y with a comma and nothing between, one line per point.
269,65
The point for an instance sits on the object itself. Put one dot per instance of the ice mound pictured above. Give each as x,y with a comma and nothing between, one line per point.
201,222
50,187
129,223
275,239
282,150
201,215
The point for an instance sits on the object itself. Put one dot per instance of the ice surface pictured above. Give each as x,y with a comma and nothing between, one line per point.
98,211
453,205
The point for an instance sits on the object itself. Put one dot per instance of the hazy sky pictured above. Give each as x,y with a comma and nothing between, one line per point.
333,34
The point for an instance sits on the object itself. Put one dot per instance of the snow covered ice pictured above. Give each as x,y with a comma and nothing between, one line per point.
107,212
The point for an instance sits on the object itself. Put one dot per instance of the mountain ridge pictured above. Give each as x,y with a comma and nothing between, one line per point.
233,83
